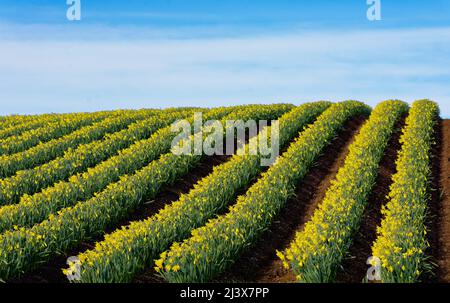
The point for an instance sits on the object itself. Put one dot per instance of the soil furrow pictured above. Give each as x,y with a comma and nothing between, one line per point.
440,206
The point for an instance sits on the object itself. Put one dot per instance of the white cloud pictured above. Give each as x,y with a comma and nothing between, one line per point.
77,75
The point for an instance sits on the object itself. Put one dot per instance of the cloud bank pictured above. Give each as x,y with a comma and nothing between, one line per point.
78,74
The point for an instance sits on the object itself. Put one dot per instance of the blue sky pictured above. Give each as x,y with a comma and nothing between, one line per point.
160,53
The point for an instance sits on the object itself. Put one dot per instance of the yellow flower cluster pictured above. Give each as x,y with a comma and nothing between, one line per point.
318,249
35,208
23,249
46,151
214,246
16,125
7,122
49,131
130,249
402,241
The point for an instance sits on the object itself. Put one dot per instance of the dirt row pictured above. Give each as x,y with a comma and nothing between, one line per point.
440,235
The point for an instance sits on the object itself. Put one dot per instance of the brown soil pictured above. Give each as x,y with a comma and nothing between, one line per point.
354,268
434,211
259,263
440,206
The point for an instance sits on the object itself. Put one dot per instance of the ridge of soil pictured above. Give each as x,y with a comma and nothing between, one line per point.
259,263
439,236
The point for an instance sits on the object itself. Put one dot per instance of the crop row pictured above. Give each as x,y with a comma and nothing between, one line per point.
17,127
319,248
78,160
36,208
402,242
44,152
8,121
128,250
52,130
213,247
23,249
23,123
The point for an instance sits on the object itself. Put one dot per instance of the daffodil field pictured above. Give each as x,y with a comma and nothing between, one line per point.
72,184
145,239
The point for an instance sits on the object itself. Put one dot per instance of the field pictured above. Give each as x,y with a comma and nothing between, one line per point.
106,190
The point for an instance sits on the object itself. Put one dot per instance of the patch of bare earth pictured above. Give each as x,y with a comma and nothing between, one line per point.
439,236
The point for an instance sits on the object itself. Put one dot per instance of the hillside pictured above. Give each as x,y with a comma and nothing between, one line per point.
107,189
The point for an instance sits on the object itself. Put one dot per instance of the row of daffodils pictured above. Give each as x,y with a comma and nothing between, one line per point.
402,237
52,130
18,124
47,151
80,187
78,160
